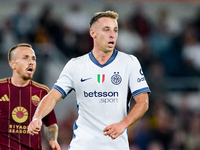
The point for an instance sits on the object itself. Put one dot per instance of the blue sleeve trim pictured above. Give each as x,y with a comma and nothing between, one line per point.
59,89
140,91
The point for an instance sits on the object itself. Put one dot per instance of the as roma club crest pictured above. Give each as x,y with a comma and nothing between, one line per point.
35,100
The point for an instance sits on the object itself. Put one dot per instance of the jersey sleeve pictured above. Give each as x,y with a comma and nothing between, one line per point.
64,83
137,81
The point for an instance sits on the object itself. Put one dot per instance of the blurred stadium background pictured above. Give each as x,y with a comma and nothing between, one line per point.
163,34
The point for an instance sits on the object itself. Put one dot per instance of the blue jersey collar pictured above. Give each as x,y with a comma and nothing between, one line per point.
93,59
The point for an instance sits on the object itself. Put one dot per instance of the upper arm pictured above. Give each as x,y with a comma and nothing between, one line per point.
142,99
55,95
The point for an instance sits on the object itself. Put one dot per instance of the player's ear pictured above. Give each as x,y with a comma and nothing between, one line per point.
12,64
92,33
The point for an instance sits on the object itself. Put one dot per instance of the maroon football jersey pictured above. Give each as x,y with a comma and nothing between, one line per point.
17,107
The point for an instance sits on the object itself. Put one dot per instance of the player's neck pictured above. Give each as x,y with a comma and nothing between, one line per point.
19,82
101,56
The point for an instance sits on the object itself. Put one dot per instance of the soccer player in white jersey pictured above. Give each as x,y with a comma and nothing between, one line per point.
101,80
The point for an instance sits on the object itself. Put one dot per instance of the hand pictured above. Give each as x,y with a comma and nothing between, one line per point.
114,130
35,126
54,145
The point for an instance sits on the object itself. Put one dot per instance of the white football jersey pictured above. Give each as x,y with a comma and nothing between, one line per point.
101,92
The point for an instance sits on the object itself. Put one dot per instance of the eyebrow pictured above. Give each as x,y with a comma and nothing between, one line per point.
109,27
29,55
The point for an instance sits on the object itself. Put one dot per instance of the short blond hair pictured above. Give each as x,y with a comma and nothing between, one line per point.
10,56
109,14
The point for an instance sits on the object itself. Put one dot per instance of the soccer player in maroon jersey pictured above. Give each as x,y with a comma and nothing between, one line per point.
19,97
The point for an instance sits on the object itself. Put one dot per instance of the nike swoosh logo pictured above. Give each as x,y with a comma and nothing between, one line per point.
82,80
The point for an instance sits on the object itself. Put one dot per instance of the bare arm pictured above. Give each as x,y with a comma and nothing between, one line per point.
141,106
51,133
45,107
47,104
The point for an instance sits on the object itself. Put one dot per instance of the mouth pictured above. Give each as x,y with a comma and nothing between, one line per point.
30,70
111,44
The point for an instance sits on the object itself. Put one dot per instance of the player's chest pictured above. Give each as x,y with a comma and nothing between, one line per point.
105,76
12,100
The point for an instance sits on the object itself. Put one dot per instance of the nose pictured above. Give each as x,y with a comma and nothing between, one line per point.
112,34
31,61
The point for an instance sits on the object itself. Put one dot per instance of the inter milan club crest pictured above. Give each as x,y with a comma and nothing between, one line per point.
116,78
100,78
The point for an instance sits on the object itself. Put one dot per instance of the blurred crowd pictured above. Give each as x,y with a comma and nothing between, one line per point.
166,47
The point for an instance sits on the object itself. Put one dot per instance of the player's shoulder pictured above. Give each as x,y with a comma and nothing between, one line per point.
128,57
80,59
39,85
4,80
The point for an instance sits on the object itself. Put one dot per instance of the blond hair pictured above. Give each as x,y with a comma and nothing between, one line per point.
109,14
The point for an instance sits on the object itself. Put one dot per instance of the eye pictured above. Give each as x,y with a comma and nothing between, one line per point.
116,30
34,59
25,57
106,29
